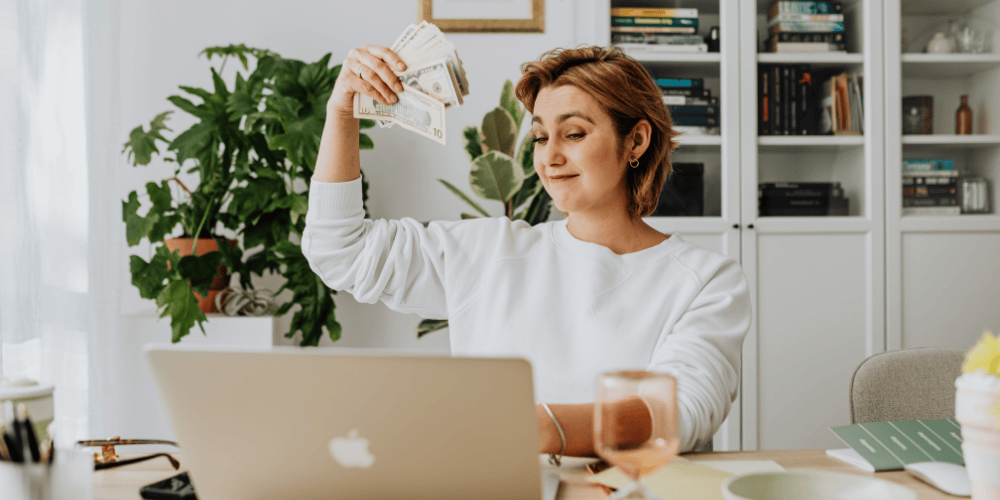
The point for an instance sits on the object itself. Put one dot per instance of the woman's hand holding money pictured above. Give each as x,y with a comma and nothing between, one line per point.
370,71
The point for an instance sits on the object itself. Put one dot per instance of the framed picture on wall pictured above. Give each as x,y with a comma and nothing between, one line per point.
485,16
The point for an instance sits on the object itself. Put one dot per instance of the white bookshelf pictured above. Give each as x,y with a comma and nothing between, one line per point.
828,292
925,252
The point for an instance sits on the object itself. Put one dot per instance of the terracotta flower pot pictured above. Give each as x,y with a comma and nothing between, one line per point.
204,246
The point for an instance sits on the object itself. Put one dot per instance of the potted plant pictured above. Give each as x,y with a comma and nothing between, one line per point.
250,158
501,171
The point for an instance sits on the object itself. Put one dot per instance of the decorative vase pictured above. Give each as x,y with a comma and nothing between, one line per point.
963,117
204,246
977,402
939,44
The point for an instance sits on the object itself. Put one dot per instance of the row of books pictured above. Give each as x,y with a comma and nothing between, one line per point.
787,199
930,187
690,103
789,101
805,26
650,31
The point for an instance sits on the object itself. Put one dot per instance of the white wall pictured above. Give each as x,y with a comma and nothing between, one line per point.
159,46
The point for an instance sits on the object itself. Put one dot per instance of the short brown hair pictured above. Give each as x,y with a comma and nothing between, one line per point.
627,93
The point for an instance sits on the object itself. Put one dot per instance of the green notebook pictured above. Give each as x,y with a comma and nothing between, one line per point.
891,445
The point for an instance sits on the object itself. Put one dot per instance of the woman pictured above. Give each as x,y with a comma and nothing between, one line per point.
598,291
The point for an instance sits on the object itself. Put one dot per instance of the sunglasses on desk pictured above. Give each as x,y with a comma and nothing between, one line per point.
107,458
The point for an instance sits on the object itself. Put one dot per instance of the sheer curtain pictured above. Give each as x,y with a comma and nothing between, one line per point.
58,192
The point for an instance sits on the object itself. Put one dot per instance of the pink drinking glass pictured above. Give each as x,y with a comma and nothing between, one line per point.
635,426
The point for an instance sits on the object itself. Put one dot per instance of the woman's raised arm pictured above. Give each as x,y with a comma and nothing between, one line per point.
366,70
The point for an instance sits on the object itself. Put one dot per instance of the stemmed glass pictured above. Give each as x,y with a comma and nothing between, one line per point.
635,426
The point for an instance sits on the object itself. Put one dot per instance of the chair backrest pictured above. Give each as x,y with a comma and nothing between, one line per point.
909,384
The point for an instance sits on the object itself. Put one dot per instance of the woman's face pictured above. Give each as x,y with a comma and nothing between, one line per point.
577,151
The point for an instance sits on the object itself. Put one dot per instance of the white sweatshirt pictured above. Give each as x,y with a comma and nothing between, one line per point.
572,308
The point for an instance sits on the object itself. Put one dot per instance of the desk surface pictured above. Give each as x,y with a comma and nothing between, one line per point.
123,483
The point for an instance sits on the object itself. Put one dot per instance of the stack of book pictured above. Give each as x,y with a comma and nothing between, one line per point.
805,26
930,187
801,198
692,107
786,100
654,31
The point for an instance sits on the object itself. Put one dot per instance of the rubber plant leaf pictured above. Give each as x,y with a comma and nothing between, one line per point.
495,176
499,131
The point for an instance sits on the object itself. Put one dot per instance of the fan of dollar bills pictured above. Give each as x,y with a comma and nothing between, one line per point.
434,80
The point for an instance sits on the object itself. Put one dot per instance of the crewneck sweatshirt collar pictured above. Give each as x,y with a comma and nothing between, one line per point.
587,250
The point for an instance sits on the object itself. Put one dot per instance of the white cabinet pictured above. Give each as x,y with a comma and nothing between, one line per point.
942,272
830,291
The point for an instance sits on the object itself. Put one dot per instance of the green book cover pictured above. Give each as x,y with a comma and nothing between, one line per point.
891,445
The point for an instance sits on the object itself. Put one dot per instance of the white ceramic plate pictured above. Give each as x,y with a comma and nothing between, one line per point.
811,485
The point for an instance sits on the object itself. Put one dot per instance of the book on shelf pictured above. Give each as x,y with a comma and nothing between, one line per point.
932,211
656,39
693,110
701,93
804,7
812,26
654,29
680,83
643,49
679,100
687,22
843,110
807,36
930,201
696,121
802,47
836,206
797,17
786,101
800,189
928,176
928,165
683,192
695,131
653,12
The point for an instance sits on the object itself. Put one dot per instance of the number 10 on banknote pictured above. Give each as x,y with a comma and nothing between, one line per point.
414,111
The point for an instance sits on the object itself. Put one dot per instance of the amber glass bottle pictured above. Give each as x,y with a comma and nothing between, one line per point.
963,117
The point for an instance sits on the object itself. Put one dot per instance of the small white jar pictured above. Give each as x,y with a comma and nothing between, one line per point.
940,44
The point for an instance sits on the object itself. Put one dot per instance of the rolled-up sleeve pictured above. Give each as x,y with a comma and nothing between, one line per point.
702,351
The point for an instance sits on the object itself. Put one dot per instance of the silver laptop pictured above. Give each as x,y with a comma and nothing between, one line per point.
350,424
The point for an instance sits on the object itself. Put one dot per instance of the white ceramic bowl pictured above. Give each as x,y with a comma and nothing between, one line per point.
811,485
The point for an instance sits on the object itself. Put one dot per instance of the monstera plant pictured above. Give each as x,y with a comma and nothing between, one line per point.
249,156
502,170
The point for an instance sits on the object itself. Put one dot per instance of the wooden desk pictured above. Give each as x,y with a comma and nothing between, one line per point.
123,483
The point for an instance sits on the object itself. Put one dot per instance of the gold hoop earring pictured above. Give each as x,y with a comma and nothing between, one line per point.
632,162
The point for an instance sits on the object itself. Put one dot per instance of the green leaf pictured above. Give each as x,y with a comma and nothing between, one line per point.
494,176
509,102
141,144
180,304
473,142
201,111
526,155
365,123
200,269
538,210
430,325
195,142
464,198
149,277
465,216
136,227
499,131
365,142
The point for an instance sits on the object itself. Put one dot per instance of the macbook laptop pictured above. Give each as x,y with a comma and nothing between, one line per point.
350,424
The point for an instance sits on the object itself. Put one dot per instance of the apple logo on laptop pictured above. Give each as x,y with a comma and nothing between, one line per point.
351,451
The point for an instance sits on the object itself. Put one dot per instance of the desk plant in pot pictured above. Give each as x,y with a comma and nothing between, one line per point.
502,171
247,163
